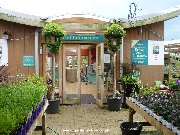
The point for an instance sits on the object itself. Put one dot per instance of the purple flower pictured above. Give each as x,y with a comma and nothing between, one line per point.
177,82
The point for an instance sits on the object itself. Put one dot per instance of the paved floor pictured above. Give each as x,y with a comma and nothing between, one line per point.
90,119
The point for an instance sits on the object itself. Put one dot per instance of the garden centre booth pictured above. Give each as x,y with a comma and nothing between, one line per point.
27,51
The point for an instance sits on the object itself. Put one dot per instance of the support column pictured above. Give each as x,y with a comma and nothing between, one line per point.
36,52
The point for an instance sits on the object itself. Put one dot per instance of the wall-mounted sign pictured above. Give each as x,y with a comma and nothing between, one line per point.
83,37
155,52
146,52
3,52
106,58
28,61
139,52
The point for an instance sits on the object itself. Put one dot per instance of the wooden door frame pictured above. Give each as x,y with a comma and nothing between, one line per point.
101,45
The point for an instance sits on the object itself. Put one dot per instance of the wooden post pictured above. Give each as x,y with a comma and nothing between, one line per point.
131,113
44,124
60,63
44,62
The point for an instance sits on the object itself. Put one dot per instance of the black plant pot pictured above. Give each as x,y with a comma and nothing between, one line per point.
53,106
131,128
129,89
114,103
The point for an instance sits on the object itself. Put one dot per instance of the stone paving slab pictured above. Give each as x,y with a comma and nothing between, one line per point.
90,119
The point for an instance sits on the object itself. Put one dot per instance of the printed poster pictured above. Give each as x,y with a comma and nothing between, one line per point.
139,52
147,52
155,53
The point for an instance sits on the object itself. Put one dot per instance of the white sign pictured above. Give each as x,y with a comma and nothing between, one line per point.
106,58
155,52
3,52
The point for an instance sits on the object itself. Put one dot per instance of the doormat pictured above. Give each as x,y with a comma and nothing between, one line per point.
85,98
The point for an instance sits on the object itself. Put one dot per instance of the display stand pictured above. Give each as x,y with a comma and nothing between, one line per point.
133,108
41,115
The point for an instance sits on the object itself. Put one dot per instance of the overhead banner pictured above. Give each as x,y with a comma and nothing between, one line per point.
147,52
3,52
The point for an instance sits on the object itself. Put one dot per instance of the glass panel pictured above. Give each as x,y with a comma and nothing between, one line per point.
71,74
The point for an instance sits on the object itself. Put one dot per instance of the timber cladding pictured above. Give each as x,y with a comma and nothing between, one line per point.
149,74
21,43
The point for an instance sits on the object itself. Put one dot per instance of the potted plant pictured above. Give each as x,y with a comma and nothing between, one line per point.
53,33
114,102
130,81
113,34
132,84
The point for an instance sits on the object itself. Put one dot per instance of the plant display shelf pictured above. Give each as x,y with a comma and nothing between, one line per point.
133,108
41,115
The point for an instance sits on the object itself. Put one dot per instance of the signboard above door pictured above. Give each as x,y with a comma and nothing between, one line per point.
83,37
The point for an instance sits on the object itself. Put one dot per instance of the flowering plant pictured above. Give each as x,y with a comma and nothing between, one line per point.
174,84
178,84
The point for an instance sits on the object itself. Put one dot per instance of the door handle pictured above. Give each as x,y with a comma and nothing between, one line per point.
102,75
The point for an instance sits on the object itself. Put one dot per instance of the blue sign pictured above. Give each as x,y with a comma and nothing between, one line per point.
139,52
83,37
28,61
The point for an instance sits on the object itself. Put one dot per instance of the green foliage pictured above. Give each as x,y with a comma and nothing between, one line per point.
17,100
114,33
53,34
146,90
130,79
172,83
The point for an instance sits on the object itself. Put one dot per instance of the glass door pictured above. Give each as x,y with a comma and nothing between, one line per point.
100,73
71,74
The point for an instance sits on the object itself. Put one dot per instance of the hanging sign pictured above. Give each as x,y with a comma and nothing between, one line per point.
3,52
28,61
147,52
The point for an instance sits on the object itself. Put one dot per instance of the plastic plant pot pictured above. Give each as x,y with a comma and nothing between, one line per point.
131,128
114,103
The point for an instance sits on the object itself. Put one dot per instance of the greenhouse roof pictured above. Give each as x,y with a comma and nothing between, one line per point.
88,18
